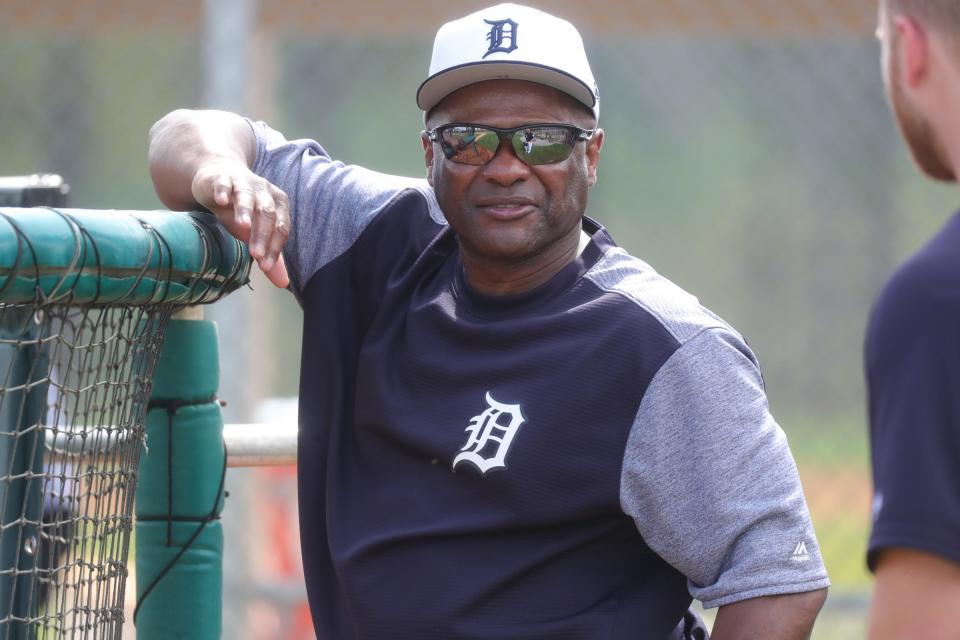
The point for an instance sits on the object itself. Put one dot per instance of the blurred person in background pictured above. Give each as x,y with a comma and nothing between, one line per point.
509,427
912,349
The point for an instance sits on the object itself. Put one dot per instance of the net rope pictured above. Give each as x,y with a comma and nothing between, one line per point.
69,518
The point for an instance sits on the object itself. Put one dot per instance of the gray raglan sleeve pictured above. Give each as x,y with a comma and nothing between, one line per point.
709,479
330,203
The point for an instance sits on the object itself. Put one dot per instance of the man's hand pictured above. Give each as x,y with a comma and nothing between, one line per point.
204,158
249,207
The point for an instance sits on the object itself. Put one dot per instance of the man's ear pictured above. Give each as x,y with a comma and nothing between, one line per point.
593,156
428,155
913,50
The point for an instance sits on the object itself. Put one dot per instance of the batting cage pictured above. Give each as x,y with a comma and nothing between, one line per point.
86,299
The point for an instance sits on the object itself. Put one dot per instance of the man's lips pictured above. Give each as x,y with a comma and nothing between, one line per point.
506,208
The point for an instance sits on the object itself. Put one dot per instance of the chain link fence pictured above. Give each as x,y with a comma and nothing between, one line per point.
749,156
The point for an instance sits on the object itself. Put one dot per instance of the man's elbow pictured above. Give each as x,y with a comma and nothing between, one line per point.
789,616
811,602
171,121
172,142
799,612
162,135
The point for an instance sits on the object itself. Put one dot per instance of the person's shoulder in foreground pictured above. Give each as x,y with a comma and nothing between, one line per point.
912,361
912,350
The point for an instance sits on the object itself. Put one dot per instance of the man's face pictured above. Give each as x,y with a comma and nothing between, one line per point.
507,212
921,140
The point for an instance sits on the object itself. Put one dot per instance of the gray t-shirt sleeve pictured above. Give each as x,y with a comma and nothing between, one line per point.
330,203
709,479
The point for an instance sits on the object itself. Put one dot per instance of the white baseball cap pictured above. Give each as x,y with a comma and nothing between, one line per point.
509,41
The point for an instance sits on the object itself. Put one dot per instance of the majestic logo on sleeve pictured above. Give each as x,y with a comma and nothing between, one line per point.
800,553
489,436
502,36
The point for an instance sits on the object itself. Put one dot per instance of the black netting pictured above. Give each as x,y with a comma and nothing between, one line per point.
75,386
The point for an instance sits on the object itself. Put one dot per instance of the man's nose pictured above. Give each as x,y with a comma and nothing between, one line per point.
505,167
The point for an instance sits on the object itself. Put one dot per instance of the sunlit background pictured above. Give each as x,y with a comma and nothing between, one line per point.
749,156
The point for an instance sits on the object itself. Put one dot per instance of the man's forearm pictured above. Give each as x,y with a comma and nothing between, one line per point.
915,596
786,617
183,140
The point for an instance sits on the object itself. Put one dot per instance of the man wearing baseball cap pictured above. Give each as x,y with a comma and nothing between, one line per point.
509,427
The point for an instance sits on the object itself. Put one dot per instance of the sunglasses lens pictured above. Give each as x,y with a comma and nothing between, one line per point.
543,145
470,145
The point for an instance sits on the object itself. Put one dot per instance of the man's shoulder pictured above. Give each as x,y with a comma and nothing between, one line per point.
925,289
675,309
926,272
304,163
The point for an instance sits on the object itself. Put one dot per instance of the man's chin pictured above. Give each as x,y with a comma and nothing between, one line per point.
934,168
506,251
924,148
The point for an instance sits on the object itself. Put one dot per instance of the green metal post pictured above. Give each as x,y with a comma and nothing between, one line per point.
21,468
179,539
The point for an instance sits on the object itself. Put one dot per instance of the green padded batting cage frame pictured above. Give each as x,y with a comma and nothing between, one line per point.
109,417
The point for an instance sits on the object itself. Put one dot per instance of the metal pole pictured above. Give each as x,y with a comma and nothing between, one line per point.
260,445
229,31
21,470
22,412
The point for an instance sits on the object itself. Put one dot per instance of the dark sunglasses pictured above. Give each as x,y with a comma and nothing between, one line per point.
533,143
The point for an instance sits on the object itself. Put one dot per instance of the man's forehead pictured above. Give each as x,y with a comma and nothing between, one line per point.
508,98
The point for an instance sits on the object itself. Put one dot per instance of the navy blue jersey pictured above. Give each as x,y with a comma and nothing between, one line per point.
913,375
574,462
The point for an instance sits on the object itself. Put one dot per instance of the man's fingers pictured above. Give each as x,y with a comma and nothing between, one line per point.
251,209
244,205
277,274
281,229
222,188
262,223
